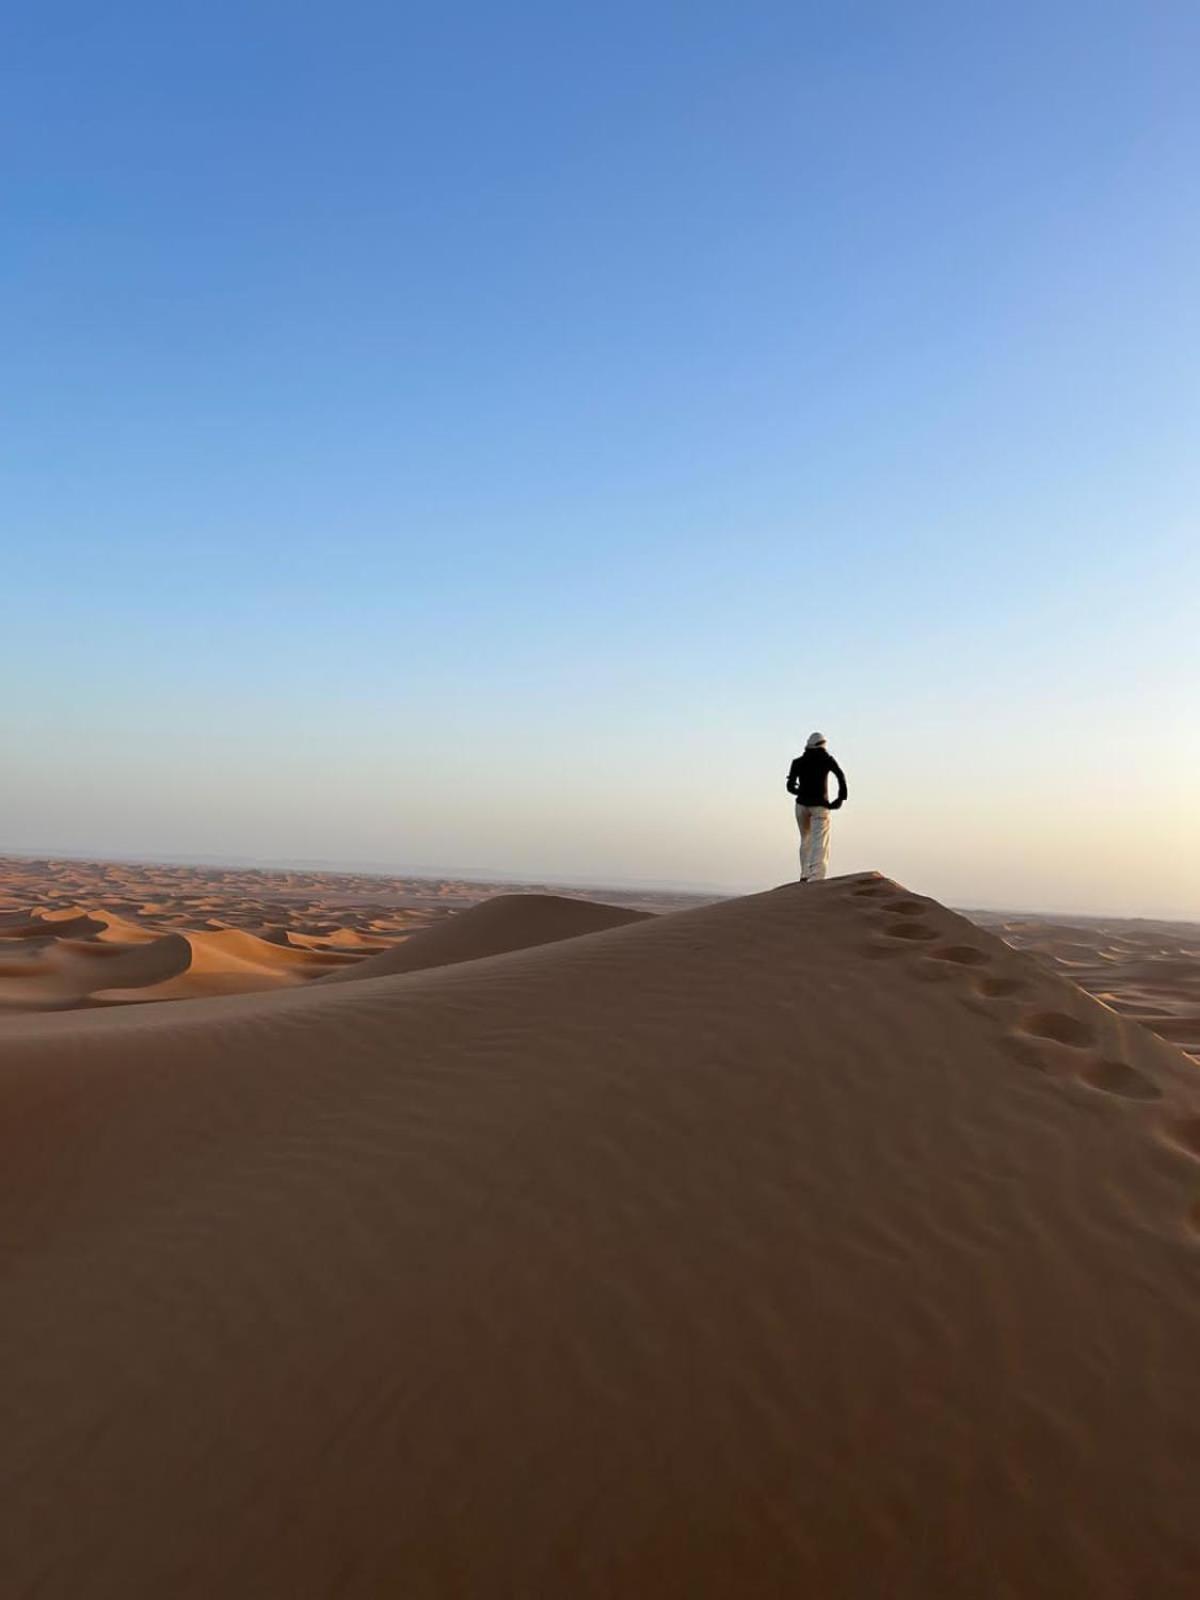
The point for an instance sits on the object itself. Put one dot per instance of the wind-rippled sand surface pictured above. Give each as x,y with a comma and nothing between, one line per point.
814,1243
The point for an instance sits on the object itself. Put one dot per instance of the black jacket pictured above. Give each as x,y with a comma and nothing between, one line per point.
808,778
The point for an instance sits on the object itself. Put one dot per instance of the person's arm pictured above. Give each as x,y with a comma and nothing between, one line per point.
793,779
843,791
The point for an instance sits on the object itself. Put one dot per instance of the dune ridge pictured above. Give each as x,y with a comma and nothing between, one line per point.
817,1242
64,959
502,924
1144,969
243,927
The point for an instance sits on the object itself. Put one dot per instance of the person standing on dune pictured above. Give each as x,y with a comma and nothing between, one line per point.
808,780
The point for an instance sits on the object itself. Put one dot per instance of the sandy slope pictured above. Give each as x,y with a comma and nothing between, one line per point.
67,959
1141,968
505,923
810,1244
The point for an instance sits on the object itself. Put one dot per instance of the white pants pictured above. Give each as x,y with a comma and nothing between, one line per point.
813,822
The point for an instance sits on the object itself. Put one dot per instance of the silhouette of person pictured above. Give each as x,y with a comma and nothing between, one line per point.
808,780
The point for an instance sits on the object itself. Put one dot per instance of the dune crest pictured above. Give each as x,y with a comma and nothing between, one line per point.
813,1243
505,923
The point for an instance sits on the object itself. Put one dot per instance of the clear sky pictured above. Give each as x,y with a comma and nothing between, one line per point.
494,435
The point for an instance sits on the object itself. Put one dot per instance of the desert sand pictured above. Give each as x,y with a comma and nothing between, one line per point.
812,1243
93,933
1141,968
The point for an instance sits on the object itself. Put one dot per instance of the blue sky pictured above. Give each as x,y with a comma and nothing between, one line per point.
495,435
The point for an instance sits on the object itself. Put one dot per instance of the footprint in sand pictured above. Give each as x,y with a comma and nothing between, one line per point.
961,955
905,908
999,988
1108,1077
1120,1079
910,930
902,933
1059,1028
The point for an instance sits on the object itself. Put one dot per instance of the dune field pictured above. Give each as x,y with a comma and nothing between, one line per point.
90,934
817,1242
1140,968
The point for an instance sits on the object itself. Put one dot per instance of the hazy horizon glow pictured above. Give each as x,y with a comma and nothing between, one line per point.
498,435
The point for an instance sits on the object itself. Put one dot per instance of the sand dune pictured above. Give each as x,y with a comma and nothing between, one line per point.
96,957
504,923
67,972
816,1243
49,925
1144,969
338,938
56,963
231,961
247,928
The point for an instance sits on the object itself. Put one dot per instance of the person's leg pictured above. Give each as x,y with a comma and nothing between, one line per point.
818,850
804,823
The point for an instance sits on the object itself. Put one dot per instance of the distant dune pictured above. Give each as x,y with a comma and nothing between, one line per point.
97,957
811,1244
92,934
506,922
1141,968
